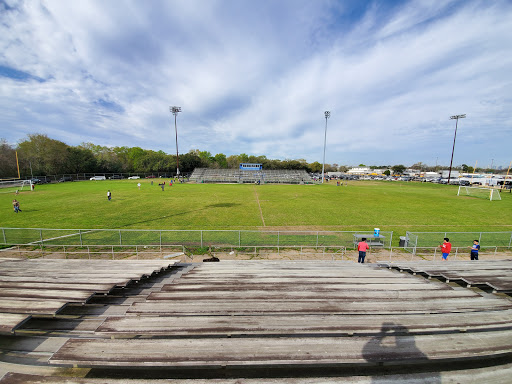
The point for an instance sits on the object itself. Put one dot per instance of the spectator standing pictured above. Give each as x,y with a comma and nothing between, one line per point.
446,247
109,195
138,185
362,247
474,250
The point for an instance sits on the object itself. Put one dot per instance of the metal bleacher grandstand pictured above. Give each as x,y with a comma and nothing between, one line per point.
274,176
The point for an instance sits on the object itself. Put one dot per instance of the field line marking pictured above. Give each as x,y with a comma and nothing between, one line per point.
61,237
259,205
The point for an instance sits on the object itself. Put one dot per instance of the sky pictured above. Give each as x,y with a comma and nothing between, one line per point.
256,77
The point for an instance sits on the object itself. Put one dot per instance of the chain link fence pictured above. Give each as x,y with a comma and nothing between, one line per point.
196,238
417,240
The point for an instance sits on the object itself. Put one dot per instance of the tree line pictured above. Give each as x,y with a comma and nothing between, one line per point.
40,155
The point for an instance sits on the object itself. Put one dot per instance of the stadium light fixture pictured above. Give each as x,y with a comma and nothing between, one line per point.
327,115
175,111
456,118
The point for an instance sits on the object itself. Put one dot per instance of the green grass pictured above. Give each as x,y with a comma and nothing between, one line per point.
391,206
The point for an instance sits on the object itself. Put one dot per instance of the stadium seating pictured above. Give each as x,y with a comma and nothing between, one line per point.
208,175
278,322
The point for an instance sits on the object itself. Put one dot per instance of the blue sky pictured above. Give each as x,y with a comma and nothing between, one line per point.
255,77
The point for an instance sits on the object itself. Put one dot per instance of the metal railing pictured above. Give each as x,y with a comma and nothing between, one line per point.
197,238
457,253
139,252
415,240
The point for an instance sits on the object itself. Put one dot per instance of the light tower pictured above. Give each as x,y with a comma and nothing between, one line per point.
327,115
175,111
456,117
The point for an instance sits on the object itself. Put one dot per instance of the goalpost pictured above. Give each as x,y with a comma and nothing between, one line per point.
482,192
11,186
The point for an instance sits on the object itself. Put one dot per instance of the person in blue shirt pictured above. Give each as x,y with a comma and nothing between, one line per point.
474,250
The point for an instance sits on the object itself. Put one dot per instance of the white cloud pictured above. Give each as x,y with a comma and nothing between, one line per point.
256,78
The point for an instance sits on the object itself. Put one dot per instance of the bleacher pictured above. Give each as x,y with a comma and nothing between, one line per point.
273,176
271,321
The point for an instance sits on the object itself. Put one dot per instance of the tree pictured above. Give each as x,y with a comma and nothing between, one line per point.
315,167
398,169
80,160
46,156
387,172
8,167
343,168
220,160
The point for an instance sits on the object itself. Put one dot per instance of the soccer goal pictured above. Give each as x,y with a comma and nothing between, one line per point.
11,186
482,192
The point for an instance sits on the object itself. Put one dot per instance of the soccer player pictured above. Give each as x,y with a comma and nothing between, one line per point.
474,250
446,247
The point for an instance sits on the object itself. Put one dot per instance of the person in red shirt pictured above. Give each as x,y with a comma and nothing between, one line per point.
362,247
446,247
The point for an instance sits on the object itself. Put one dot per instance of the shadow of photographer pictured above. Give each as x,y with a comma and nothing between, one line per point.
395,346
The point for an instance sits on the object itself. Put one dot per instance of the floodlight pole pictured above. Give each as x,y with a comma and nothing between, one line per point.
456,118
175,111
327,115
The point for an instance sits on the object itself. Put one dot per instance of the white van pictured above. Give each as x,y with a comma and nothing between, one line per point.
98,178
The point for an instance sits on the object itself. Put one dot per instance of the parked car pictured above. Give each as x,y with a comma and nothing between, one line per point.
134,177
65,178
116,177
98,178
150,177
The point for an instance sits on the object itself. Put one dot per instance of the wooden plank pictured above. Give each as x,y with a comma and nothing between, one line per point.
204,326
220,306
339,351
493,374
64,280
290,286
42,294
103,288
10,321
314,280
310,293
31,306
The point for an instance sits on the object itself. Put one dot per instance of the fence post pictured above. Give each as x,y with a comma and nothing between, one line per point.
239,239
277,242
495,250
3,233
317,238
435,252
89,252
65,254
456,251
41,235
120,240
137,252
201,238
160,241
112,252
80,233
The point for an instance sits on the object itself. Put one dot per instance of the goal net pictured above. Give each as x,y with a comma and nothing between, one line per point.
11,186
482,192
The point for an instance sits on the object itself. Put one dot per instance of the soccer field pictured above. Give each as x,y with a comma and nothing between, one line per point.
362,205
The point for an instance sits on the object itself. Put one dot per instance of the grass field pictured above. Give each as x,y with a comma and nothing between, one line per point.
362,205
